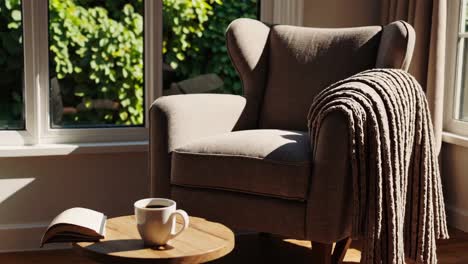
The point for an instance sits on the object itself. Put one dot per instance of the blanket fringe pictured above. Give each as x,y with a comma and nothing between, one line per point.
399,209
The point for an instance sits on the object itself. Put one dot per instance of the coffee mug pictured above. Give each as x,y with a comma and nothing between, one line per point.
155,219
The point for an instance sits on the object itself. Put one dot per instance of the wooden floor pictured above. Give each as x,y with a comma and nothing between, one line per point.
256,249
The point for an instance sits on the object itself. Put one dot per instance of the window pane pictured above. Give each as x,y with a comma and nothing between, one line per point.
11,66
463,105
96,63
464,23
194,48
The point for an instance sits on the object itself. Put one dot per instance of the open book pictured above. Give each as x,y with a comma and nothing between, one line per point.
76,225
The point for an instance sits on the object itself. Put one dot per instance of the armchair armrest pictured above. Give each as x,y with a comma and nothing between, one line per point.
329,205
179,119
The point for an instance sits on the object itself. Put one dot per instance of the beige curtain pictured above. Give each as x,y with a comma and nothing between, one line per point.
428,17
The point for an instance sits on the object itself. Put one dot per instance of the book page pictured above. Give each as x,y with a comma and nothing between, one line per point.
81,217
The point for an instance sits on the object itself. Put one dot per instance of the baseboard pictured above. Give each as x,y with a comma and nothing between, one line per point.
24,237
457,218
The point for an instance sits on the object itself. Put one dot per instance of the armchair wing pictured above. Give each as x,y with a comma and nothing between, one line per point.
177,120
247,44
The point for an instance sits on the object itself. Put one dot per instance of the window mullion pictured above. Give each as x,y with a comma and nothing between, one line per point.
462,16
153,48
42,67
30,68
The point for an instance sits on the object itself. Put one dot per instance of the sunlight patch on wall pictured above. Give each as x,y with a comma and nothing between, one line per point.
8,187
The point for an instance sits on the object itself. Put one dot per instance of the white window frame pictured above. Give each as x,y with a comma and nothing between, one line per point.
454,67
36,83
36,76
68,135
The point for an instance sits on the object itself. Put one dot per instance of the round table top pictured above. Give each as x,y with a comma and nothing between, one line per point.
203,241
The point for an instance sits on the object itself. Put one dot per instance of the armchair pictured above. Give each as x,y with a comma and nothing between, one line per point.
247,161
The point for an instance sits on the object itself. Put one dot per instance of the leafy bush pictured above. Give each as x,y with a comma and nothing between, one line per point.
100,54
214,57
183,23
194,41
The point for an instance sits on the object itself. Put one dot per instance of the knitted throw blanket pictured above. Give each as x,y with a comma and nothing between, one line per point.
398,202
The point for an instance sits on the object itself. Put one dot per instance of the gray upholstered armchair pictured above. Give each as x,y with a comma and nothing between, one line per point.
246,161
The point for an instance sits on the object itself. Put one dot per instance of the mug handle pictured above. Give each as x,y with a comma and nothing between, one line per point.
185,219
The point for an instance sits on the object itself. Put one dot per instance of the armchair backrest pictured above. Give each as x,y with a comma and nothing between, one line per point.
283,68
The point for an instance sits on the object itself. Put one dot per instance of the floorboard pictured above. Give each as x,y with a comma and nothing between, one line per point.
255,249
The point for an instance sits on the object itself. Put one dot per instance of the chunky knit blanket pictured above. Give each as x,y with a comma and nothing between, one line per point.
398,202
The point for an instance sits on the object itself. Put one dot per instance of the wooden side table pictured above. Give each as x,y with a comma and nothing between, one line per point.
203,241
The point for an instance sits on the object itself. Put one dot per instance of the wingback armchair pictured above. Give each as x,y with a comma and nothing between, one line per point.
246,161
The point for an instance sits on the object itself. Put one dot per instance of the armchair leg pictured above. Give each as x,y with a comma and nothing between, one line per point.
340,250
321,253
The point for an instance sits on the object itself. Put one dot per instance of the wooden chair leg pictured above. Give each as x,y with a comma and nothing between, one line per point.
321,253
340,250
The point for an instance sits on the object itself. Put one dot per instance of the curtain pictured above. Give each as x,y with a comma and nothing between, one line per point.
428,17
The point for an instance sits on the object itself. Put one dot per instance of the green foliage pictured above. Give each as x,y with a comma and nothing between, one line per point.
100,52
183,23
214,57
11,65
194,41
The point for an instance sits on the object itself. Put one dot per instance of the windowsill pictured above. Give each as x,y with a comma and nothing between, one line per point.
132,146
455,139
72,149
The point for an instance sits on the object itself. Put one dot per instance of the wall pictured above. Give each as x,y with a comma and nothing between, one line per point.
35,189
341,13
455,180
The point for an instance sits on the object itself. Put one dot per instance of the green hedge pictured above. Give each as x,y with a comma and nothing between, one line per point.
99,53
208,52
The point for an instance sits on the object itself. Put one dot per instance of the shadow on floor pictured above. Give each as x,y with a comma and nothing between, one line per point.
253,248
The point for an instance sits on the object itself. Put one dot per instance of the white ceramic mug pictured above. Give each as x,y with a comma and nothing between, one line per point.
156,220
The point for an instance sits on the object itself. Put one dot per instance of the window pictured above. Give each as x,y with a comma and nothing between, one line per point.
456,114
461,111
11,66
77,71
83,76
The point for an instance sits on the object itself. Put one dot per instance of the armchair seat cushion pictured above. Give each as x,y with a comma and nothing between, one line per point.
266,162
